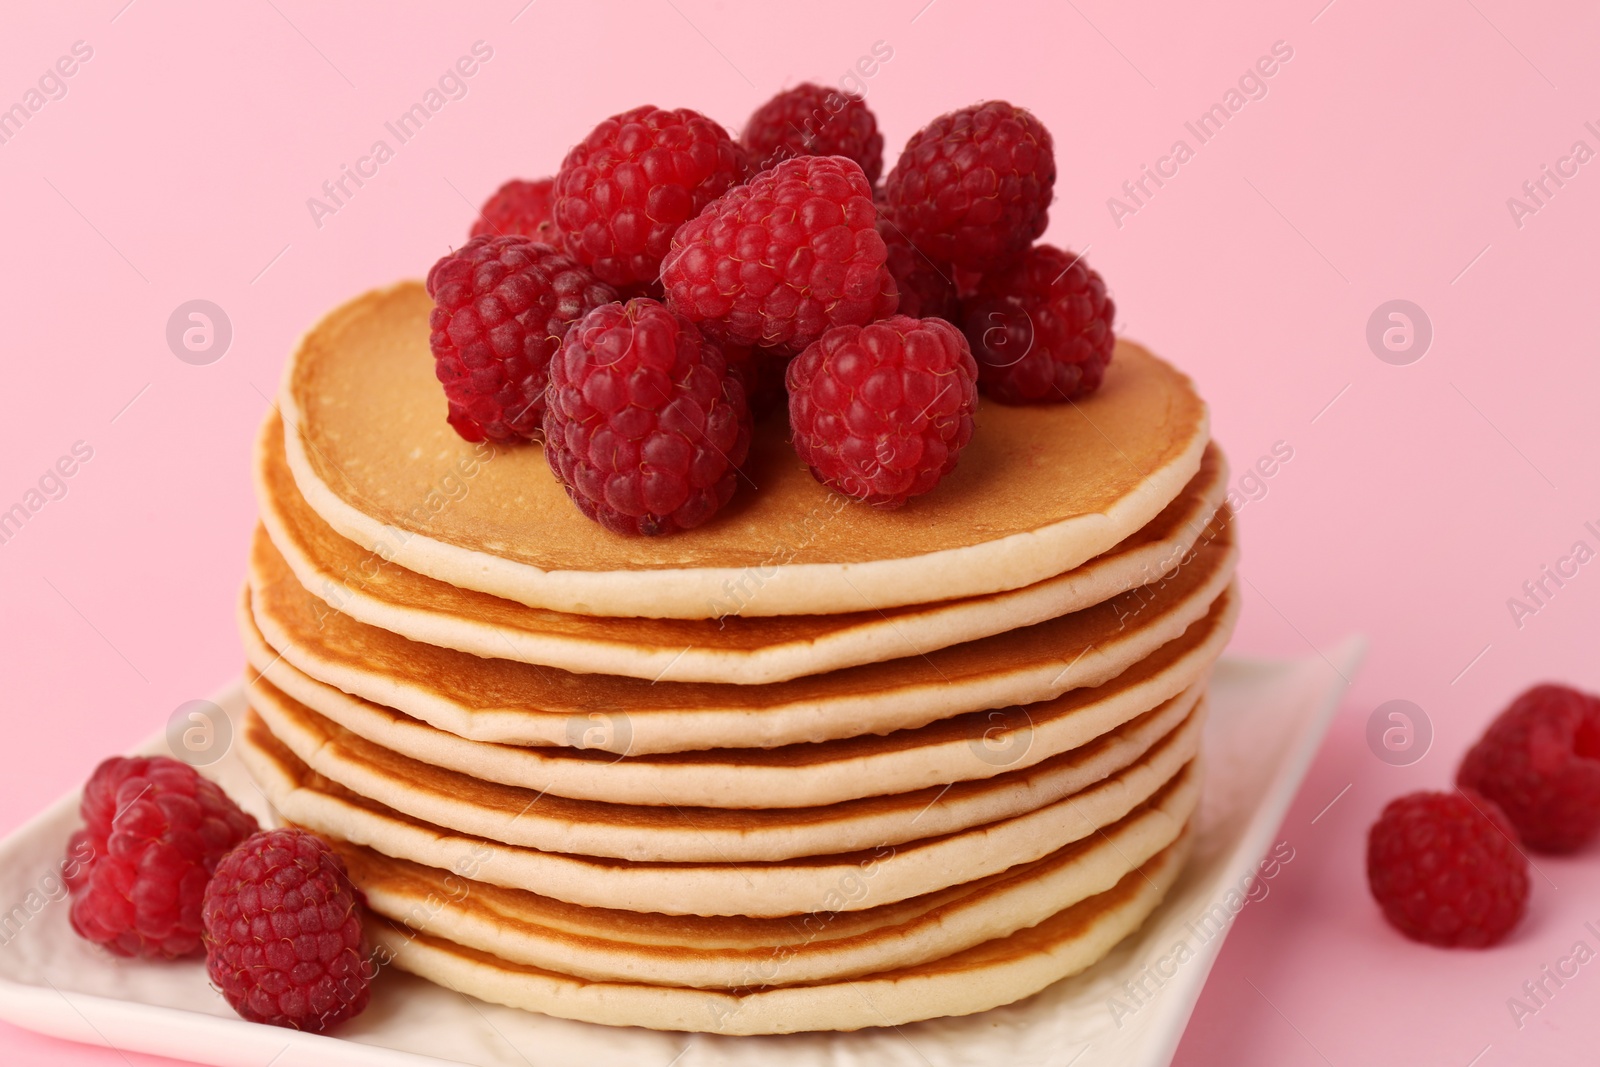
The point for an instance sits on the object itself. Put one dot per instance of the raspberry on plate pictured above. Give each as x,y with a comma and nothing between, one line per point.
779,260
1540,761
810,120
1446,869
154,832
501,307
973,187
284,941
646,426
519,207
927,290
1041,329
624,190
881,412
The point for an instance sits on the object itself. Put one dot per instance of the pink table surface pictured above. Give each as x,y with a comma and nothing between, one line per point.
1376,163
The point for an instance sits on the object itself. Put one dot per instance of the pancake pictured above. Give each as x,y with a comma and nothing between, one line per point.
1040,490
520,703
736,649
967,747
1097,778
735,953
879,875
985,976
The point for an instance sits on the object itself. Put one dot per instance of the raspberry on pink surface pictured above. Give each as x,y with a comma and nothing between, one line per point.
519,207
927,289
1041,329
155,830
882,412
624,190
501,307
810,120
777,261
284,941
646,425
1446,868
1540,761
973,188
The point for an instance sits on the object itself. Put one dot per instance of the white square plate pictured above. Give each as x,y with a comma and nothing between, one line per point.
1266,721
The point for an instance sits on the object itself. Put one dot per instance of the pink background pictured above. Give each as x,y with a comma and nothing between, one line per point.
1377,166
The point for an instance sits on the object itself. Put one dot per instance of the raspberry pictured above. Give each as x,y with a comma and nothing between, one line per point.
519,207
809,120
624,190
973,187
781,259
927,290
284,942
1041,330
1446,869
1540,761
155,831
966,281
646,426
881,412
501,307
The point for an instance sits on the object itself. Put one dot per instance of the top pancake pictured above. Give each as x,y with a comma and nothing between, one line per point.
746,651
1039,491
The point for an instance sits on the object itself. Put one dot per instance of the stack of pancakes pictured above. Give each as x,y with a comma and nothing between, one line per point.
813,766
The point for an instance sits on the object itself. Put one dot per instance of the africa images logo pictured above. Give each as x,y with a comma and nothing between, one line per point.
1537,192
50,86
1251,85
51,486
337,192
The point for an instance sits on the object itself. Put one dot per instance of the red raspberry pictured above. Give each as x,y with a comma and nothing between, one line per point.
1540,761
519,207
1041,330
781,259
284,942
155,831
881,412
927,290
624,190
646,426
810,120
966,281
973,187
502,305
1446,869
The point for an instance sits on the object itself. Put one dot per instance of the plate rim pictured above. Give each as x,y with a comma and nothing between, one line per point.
173,1031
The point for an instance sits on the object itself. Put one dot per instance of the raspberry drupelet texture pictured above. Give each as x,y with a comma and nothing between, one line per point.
1041,329
973,187
810,120
927,290
881,412
519,207
1446,869
624,190
646,425
779,260
154,831
1540,761
284,942
501,307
